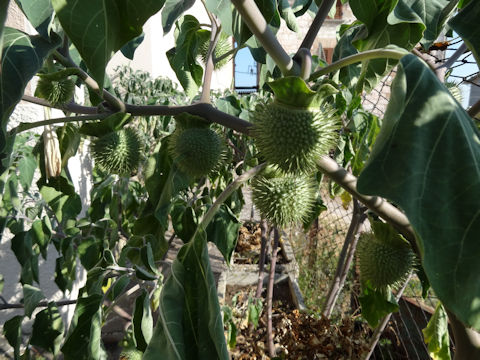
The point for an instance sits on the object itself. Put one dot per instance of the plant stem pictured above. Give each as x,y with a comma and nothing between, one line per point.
380,206
263,253
209,66
344,259
316,25
111,99
40,304
234,185
271,281
257,24
71,107
365,55
467,341
27,126
305,63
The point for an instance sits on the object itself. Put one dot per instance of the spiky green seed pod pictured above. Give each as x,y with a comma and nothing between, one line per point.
56,92
118,152
131,354
283,200
454,90
384,261
293,138
196,151
223,46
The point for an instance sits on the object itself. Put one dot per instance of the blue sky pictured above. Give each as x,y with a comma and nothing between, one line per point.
245,69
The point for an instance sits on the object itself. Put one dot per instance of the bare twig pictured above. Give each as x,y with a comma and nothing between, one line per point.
345,258
263,252
271,280
71,107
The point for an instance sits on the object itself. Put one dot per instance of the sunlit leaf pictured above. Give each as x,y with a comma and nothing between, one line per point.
102,27
31,298
190,324
142,321
436,335
426,159
39,13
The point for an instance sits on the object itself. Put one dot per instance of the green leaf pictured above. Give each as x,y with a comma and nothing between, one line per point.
39,13
41,233
65,206
172,11
128,50
376,304
26,168
22,57
286,12
142,321
21,245
90,251
146,255
84,339
426,160
69,140
350,74
119,286
3,17
48,329
112,123
190,325
382,28
184,222
223,231
31,298
2,283
465,23
183,58
12,329
436,335
102,27
294,91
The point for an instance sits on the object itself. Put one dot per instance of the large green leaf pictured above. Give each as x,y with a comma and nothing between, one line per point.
465,23
223,231
22,57
48,329
39,13
183,58
98,28
431,13
376,304
84,339
12,329
378,31
142,321
190,324
427,160
31,298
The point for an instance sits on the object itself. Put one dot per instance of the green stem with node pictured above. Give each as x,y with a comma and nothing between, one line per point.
257,24
396,54
27,126
233,186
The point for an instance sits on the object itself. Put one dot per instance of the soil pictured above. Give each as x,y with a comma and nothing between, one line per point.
297,335
249,244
